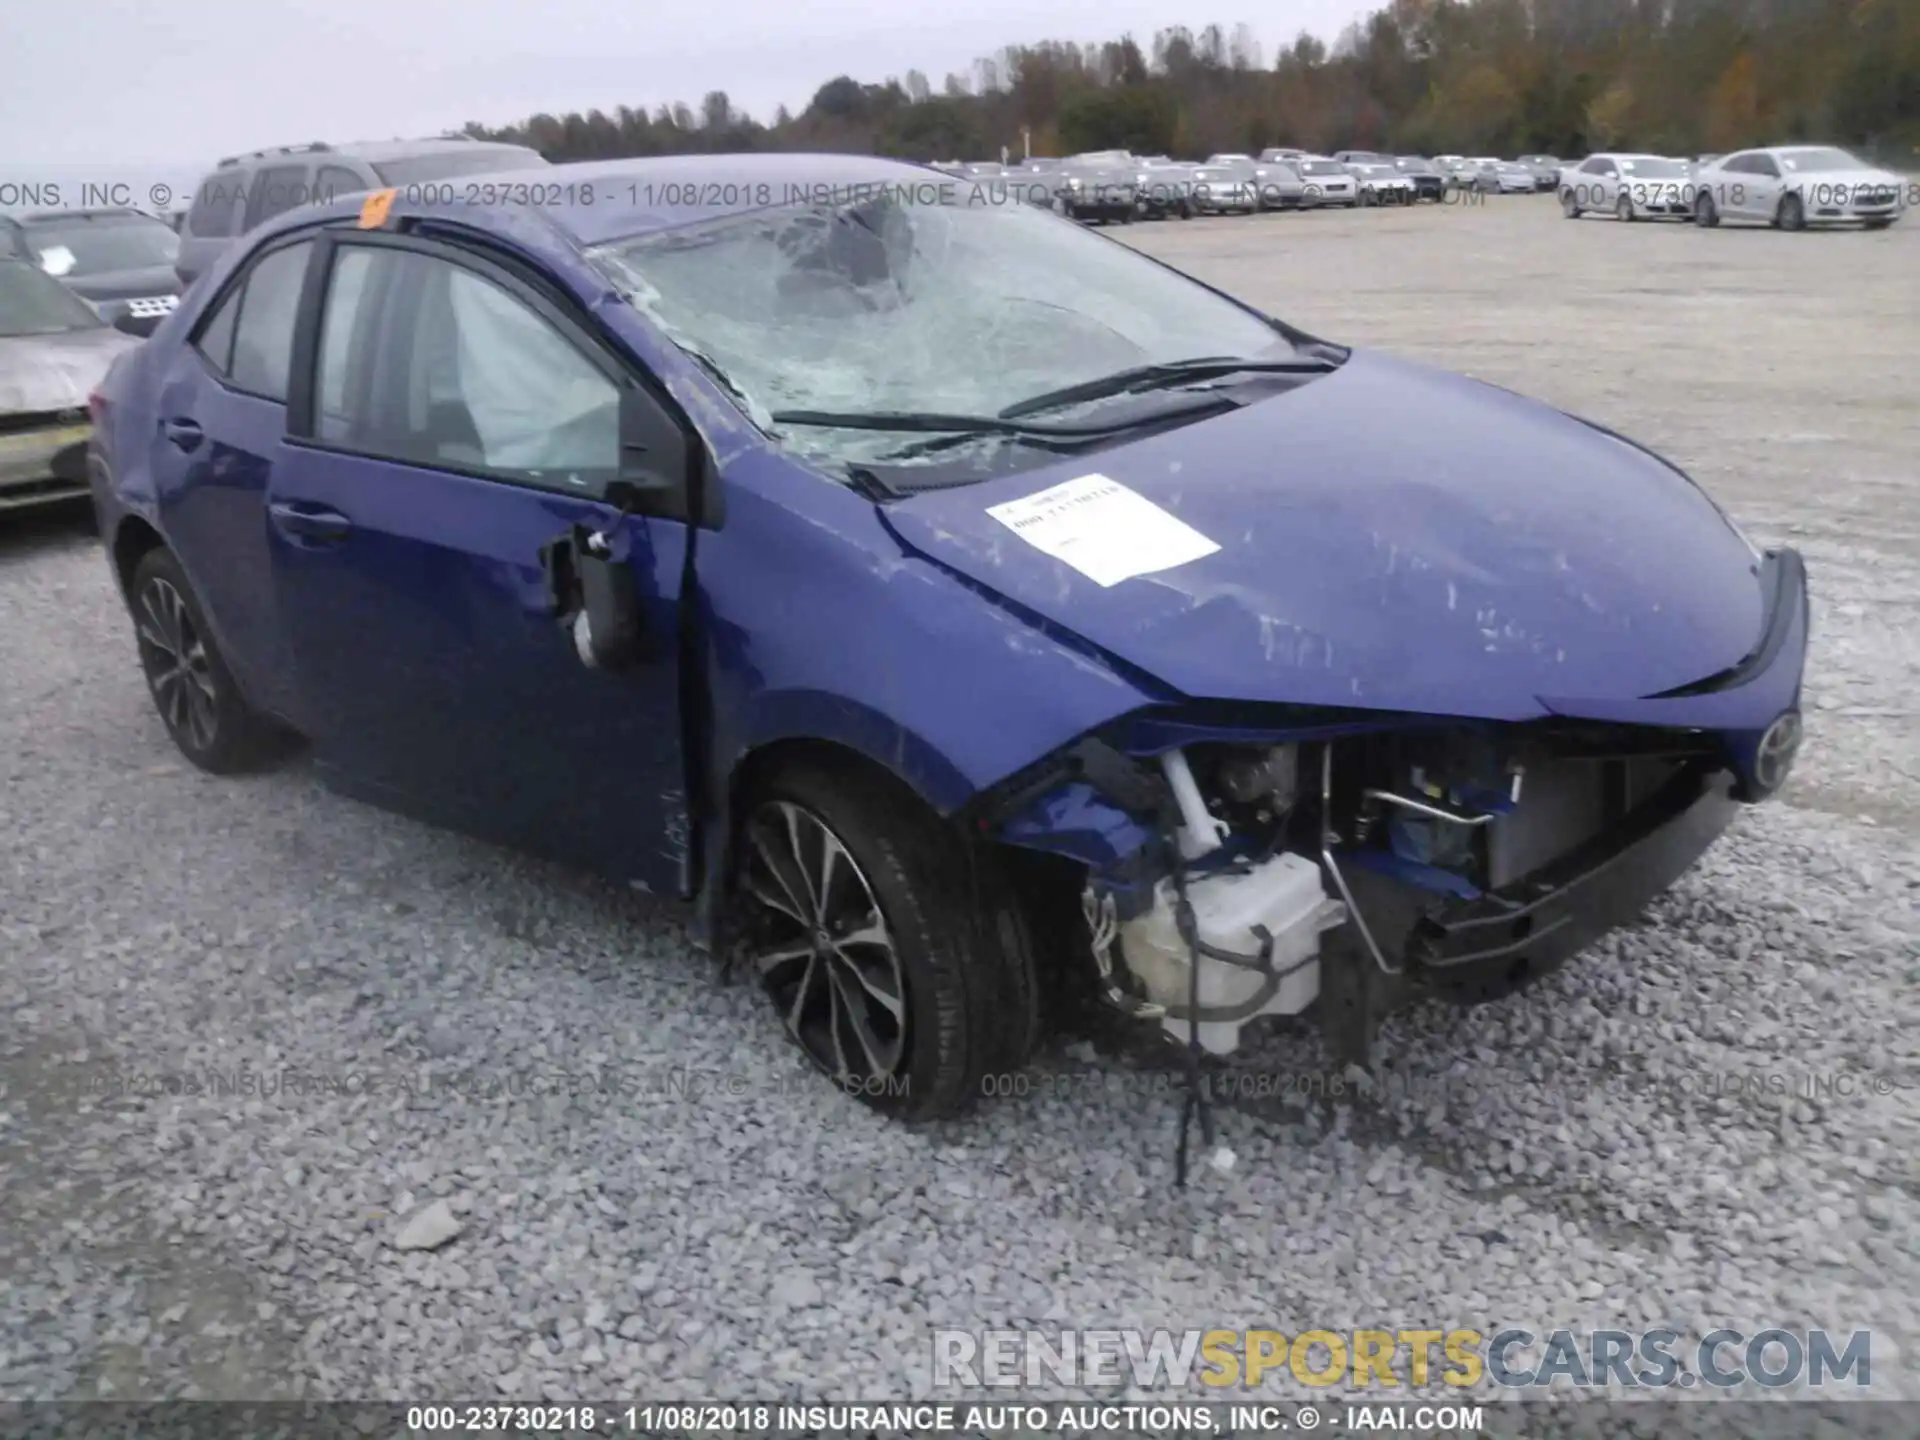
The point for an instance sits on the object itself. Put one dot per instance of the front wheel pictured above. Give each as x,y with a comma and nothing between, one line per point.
192,687
1623,208
1705,213
1792,215
1569,204
894,953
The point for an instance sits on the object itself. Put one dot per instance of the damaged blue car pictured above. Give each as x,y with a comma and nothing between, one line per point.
957,606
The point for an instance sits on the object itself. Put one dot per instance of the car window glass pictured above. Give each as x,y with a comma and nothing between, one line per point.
345,320
468,376
276,190
263,338
335,182
216,337
216,208
1764,165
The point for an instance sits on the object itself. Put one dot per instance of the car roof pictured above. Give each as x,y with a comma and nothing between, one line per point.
593,202
372,151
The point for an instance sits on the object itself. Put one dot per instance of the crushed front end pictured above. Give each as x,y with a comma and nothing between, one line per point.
1236,865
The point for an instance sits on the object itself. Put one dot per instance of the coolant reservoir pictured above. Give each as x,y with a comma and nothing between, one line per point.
1284,894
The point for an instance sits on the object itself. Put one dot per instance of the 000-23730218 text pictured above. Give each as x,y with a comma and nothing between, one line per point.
1060,1417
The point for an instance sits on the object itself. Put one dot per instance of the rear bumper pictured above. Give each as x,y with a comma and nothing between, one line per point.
1470,948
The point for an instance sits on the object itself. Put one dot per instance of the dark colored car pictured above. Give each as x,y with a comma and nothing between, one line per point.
118,260
1428,181
54,350
247,190
948,599
1546,170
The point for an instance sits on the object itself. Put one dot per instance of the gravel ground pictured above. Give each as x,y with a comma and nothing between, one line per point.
1558,1158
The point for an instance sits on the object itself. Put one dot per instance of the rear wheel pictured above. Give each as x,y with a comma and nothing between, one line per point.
188,678
894,952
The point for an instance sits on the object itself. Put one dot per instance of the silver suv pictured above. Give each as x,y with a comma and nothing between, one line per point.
245,190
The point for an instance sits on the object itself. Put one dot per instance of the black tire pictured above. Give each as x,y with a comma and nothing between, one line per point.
1186,210
1623,208
954,934
1705,213
1570,204
1792,214
192,688
1366,197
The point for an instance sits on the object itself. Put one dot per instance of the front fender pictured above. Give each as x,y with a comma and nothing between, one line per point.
816,624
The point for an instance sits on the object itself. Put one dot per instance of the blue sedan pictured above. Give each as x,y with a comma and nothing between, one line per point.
958,607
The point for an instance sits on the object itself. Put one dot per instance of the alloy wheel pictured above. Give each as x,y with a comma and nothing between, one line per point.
822,947
174,656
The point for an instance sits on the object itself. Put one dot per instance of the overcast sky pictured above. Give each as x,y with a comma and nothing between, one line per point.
156,89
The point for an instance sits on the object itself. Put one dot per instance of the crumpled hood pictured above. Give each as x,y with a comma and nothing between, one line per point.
1389,536
56,372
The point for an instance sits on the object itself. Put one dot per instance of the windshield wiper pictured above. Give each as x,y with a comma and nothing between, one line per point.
1172,372
935,423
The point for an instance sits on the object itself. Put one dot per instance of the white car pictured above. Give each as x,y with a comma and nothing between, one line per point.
1628,187
1382,184
1503,177
1795,186
1328,182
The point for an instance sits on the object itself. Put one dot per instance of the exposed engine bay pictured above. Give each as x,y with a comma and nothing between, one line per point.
1226,881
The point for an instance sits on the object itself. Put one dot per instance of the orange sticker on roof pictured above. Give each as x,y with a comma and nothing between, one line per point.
373,210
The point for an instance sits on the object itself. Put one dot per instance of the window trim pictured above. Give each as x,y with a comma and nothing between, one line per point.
231,288
257,190
542,296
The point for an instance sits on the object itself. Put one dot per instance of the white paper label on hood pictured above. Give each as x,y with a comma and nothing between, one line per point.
1102,529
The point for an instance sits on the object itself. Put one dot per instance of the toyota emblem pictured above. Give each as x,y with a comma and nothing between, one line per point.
1773,758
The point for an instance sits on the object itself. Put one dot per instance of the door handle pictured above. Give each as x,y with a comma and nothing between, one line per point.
309,522
183,432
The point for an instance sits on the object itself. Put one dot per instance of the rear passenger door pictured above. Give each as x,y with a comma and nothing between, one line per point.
222,419
458,416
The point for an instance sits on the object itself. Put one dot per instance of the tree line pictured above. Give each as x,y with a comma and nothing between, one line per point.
1498,77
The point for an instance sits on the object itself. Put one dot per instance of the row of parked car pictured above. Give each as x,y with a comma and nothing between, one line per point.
1116,185
1789,186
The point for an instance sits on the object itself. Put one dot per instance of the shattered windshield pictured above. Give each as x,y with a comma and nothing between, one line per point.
958,308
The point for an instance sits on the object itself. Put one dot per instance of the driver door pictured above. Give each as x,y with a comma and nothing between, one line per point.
450,418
